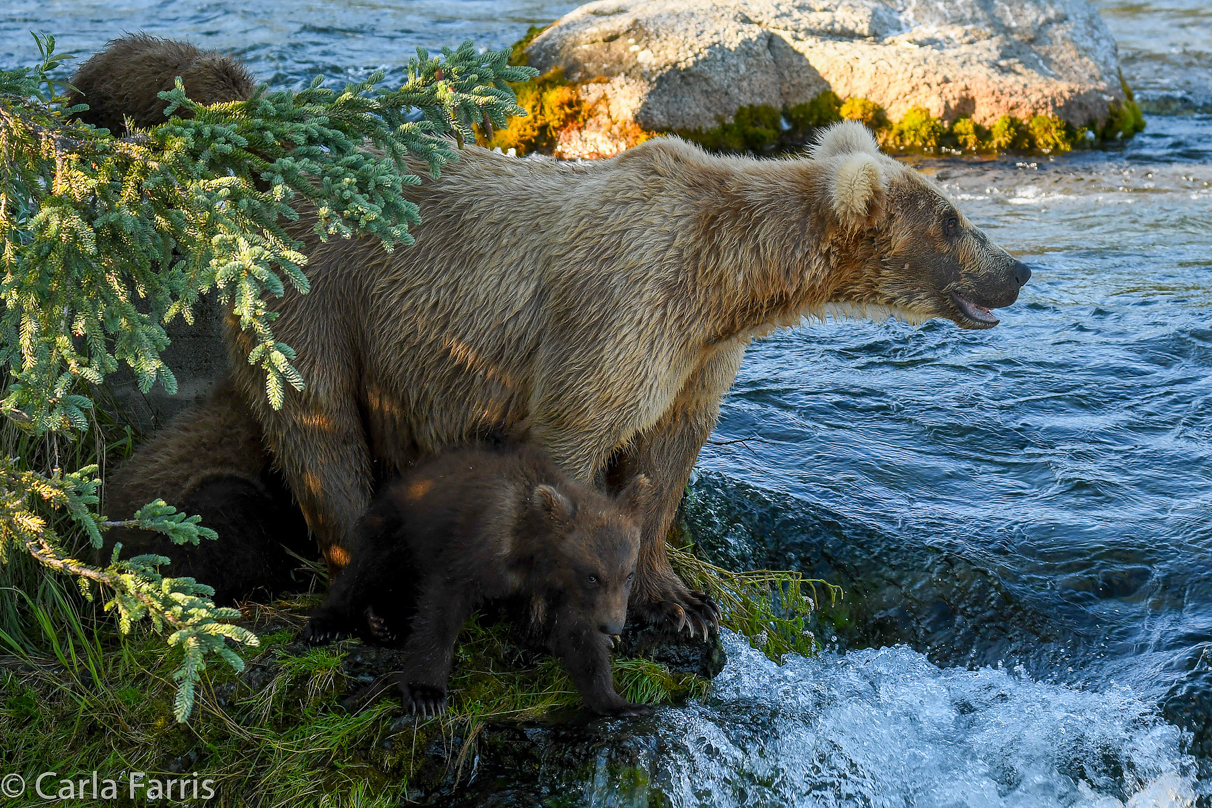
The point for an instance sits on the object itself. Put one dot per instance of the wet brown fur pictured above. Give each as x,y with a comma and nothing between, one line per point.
477,525
125,78
598,310
230,484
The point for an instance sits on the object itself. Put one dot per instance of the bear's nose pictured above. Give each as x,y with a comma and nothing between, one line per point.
613,629
1022,273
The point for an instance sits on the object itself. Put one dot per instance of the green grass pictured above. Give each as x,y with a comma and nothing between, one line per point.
277,735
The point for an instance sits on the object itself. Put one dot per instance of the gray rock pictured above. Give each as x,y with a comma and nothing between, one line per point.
685,64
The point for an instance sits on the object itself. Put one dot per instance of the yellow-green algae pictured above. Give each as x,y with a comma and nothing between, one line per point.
765,129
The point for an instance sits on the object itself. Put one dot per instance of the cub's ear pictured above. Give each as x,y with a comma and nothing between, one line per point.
856,189
636,495
847,137
551,502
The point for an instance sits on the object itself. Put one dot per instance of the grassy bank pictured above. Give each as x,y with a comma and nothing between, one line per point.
77,695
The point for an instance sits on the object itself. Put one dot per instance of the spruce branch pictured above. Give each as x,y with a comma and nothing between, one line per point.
104,241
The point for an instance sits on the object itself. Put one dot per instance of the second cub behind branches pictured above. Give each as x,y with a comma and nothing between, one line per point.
476,525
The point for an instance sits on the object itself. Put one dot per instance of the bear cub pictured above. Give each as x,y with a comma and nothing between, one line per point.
477,525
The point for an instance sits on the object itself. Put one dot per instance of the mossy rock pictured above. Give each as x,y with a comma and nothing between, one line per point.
554,105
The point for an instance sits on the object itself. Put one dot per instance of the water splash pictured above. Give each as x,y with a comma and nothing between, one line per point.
888,728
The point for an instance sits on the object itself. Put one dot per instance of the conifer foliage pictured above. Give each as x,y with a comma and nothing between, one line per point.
104,241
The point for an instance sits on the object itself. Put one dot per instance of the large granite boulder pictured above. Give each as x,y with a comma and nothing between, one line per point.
688,64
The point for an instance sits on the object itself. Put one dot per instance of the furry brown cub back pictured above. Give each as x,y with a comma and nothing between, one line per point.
125,80
476,525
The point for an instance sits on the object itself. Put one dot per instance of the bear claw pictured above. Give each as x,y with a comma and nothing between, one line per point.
320,631
380,629
697,614
424,700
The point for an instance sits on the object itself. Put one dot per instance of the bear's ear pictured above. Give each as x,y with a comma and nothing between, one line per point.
636,495
856,189
847,137
553,503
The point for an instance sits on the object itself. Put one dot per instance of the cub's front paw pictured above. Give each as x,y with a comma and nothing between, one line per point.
423,700
325,628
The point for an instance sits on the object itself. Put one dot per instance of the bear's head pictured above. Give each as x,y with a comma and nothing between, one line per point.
593,545
920,257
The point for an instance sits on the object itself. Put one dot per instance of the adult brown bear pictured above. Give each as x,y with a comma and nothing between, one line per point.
598,310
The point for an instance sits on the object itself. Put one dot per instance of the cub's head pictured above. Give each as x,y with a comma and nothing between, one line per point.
920,257
594,545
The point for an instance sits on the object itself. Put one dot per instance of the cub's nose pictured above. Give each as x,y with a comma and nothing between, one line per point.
1022,273
613,629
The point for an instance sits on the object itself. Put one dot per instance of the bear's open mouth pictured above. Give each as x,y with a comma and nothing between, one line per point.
974,316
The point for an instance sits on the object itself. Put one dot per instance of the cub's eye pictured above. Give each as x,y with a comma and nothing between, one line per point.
951,225
593,579
631,577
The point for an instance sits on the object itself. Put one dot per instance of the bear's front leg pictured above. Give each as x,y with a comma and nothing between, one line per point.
585,652
666,452
318,438
442,609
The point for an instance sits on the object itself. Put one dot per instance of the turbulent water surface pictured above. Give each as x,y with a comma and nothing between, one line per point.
1021,517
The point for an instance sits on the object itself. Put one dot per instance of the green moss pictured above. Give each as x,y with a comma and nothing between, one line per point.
1050,134
1125,119
866,112
823,110
968,135
1008,133
918,130
762,128
756,128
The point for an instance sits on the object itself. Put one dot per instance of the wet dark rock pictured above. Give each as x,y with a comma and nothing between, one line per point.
1188,704
595,762
681,654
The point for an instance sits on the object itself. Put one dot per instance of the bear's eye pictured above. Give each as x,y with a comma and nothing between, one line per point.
593,579
631,577
951,225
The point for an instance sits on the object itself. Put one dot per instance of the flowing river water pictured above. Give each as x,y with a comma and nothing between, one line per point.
1022,517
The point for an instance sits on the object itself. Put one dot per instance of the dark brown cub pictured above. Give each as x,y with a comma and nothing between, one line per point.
477,525
126,78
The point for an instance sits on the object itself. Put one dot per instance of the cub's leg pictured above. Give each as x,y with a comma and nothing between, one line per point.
375,597
442,609
666,452
585,652
344,611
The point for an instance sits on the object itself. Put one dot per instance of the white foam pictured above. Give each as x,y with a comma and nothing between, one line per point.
888,728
